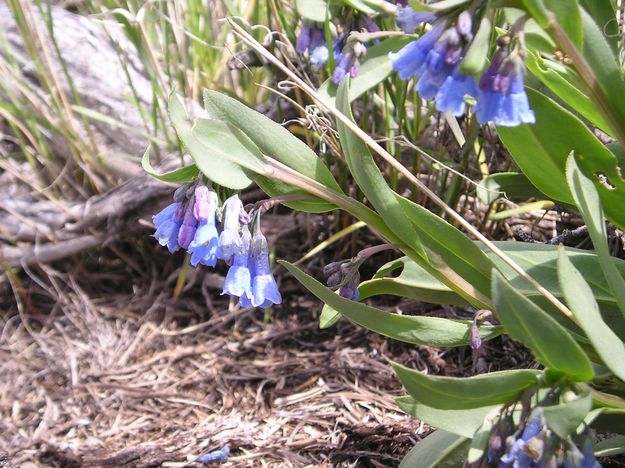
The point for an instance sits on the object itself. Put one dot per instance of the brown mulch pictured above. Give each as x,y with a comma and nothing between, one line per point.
102,366
116,381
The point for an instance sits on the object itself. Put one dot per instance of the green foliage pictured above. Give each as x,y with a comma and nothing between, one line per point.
560,159
550,342
440,449
431,331
466,392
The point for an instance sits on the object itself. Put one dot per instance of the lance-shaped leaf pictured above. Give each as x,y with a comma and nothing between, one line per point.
580,300
440,449
455,248
275,141
550,342
369,178
541,151
463,422
466,392
565,418
182,175
474,61
589,204
431,331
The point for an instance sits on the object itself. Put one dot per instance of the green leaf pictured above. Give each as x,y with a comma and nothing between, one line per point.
182,175
550,343
461,422
610,420
479,444
511,185
588,201
541,151
605,67
569,17
277,142
413,282
328,317
373,69
466,392
559,80
565,418
454,247
610,447
440,449
369,178
361,6
475,61
602,11
536,38
579,297
442,5
314,10
431,331
220,151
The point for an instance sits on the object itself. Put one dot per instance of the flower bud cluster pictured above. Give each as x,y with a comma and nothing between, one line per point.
435,59
191,222
532,444
344,276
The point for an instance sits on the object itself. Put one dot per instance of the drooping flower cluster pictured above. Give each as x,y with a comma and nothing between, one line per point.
534,445
347,53
191,223
434,60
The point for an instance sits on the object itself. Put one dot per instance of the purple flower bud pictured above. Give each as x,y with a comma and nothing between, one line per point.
474,337
331,268
205,204
187,230
334,279
464,25
349,290
181,193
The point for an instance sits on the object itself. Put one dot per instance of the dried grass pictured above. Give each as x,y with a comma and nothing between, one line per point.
115,381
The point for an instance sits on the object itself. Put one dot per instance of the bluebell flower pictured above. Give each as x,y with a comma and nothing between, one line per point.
229,238
238,281
501,97
349,289
439,63
312,39
264,288
522,453
450,96
408,19
319,55
167,224
410,60
203,248
220,455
